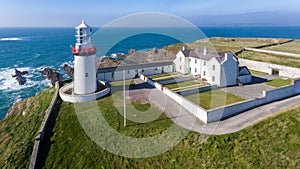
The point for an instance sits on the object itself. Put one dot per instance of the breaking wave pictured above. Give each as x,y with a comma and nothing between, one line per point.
13,39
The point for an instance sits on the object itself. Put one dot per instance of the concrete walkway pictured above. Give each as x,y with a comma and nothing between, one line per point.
186,120
245,119
273,52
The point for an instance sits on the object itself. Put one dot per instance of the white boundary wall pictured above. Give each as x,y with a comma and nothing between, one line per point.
267,68
81,98
268,97
217,114
193,108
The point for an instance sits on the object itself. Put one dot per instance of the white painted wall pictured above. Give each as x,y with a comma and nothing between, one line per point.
85,65
81,98
210,73
195,65
267,68
229,71
183,65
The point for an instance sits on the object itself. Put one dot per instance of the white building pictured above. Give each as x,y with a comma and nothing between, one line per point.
219,69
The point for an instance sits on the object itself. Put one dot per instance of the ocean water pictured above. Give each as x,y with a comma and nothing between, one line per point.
32,49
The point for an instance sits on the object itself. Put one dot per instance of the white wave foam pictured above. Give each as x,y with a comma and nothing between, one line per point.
8,83
13,39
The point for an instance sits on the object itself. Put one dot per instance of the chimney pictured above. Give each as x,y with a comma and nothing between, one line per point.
184,48
205,51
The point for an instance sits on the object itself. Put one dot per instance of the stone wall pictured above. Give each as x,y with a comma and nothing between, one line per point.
37,144
284,71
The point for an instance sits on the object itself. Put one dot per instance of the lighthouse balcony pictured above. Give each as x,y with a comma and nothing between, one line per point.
84,51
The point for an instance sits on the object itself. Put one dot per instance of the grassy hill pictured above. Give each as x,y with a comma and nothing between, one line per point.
273,143
18,131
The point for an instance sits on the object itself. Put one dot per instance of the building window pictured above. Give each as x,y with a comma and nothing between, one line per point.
86,75
179,67
195,60
195,70
142,70
180,59
213,78
214,67
204,63
128,71
204,73
190,59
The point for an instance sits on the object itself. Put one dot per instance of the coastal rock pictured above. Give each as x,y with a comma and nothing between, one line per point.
19,76
52,75
131,51
68,69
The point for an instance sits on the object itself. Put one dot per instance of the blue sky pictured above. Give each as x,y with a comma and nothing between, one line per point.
63,13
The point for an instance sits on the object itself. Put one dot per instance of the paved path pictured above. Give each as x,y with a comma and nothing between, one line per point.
274,52
186,120
248,91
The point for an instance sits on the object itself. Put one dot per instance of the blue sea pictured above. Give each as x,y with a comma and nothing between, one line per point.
32,49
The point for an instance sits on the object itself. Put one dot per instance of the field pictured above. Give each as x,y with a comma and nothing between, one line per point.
292,47
275,59
18,132
279,82
273,143
224,44
213,99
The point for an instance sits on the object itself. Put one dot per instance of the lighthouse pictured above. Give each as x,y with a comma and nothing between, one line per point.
85,81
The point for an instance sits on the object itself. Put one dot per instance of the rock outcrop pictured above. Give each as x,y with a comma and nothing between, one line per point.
19,76
68,69
52,75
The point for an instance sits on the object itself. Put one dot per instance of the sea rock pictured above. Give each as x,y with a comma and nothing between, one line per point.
19,76
52,75
68,69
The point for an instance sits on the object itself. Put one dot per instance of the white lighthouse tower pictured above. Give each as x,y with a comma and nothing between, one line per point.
85,81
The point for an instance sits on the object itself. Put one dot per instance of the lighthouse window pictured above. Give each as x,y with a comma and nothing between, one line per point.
86,75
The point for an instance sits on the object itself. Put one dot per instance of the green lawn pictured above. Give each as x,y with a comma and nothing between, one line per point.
183,84
292,47
255,72
275,59
279,82
213,99
273,143
162,75
18,132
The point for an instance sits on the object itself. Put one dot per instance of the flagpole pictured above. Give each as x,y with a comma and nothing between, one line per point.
124,97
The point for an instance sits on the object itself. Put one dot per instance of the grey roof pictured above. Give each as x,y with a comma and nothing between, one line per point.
186,53
134,66
200,55
243,70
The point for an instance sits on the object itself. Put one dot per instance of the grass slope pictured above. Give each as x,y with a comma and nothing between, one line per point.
18,132
273,143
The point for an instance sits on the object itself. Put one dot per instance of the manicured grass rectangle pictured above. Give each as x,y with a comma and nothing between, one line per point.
162,75
255,72
213,99
182,84
280,82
